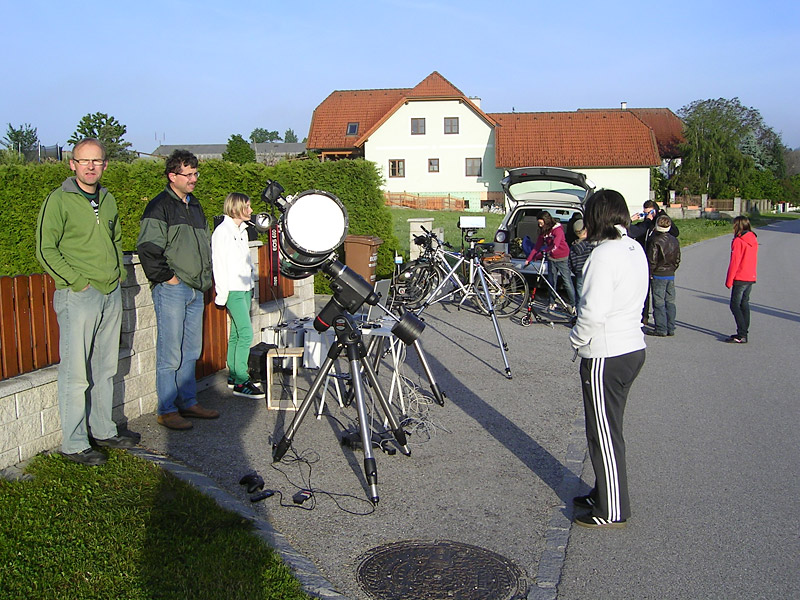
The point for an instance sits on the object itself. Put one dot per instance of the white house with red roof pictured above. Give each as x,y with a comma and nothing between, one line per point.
434,140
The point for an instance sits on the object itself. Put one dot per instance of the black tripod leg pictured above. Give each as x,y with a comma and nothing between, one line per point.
279,450
370,466
398,432
438,394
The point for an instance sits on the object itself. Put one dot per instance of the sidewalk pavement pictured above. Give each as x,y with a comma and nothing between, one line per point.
496,467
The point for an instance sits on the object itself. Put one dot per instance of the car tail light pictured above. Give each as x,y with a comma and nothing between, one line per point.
501,236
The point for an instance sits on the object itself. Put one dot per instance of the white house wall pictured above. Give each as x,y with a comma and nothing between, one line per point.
633,183
475,139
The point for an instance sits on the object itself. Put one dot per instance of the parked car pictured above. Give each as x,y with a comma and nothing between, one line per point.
530,190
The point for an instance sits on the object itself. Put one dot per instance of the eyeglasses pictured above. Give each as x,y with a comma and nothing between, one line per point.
97,162
194,175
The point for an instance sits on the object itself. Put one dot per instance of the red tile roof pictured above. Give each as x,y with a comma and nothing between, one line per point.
434,85
596,138
366,107
667,127
370,108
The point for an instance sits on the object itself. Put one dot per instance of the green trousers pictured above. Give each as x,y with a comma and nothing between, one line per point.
241,336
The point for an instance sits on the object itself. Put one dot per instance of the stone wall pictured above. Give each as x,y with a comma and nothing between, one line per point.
29,416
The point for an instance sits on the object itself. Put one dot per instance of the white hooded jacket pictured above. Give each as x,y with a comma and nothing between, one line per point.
230,260
615,282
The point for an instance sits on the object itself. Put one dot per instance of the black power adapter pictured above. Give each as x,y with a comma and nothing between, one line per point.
302,496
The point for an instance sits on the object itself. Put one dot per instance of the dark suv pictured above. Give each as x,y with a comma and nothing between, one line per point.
529,191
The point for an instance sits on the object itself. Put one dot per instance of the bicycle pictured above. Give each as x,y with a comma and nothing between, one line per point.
434,278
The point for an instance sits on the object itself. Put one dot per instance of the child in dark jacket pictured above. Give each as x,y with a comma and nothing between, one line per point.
664,258
578,254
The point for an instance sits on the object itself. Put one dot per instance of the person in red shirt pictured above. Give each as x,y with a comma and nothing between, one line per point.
741,276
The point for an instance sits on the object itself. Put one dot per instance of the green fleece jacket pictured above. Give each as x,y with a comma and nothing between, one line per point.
76,247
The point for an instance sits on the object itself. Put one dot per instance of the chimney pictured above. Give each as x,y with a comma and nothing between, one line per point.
623,105
476,101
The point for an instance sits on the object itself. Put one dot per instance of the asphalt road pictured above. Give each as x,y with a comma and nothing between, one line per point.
710,427
712,434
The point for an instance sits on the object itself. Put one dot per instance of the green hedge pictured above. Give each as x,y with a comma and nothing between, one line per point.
356,183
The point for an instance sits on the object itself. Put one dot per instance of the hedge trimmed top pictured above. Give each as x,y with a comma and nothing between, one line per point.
356,183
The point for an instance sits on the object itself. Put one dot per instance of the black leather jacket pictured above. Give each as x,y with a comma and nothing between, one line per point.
663,254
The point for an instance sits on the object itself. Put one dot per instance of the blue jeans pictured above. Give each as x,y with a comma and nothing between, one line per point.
560,268
179,320
740,306
663,304
88,342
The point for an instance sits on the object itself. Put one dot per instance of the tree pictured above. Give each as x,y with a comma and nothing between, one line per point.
106,129
259,135
290,137
792,160
239,151
23,140
725,143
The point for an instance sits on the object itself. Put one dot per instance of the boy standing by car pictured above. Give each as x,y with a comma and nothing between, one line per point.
664,258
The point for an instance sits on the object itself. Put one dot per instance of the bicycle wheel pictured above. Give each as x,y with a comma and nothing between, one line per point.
508,290
413,285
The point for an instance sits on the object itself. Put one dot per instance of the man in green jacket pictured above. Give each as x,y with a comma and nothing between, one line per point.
79,243
175,252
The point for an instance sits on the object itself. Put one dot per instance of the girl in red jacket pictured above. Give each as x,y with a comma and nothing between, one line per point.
741,276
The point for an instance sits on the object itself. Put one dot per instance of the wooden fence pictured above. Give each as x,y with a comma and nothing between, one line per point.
424,202
721,204
29,328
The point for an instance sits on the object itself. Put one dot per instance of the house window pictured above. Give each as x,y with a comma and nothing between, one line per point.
473,167
433,165
397,168
417,126
451,125
352,129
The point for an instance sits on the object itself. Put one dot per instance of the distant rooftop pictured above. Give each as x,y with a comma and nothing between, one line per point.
208,151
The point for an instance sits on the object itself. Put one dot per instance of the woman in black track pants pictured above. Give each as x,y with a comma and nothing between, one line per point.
608,337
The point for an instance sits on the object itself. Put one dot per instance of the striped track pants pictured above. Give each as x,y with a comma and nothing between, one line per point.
606,383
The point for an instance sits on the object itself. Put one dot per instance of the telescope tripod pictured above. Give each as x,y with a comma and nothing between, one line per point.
532,313
349,340
476,268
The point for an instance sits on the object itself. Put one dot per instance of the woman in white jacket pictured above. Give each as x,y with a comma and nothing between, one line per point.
608,337
233,283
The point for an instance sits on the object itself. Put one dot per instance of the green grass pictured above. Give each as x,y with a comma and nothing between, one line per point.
696,230
446,219
692,230
128,529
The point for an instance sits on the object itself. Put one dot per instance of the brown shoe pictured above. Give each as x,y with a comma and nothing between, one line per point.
174,421
199,412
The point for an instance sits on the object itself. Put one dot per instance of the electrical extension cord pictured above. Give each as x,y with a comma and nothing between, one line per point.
262,495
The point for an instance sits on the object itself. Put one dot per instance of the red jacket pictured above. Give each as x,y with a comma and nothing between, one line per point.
744,256
553,242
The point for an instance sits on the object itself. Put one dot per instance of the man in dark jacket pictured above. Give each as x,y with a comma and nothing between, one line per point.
664,258
79,243
175,251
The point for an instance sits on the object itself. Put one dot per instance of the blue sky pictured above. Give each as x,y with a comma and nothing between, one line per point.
196,72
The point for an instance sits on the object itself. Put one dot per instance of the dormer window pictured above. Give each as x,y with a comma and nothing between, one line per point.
352,129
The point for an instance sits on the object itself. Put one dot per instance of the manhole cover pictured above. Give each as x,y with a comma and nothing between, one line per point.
439,570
